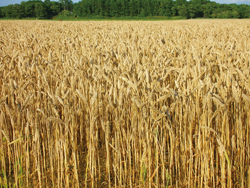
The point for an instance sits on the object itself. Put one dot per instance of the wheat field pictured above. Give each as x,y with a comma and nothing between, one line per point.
125,104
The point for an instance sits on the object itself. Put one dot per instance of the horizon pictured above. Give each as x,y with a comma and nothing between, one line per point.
238,2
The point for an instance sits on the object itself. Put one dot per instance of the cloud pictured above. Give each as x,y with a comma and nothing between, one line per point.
233,1
7,2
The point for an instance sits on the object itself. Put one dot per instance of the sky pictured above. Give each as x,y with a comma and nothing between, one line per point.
7,2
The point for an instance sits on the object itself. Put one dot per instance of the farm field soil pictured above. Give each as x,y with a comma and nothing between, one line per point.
125,103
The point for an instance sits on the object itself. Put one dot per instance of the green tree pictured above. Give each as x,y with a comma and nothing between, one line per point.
147,8
107,8
224,14
182,10
47,4
132,8
235,14
77,9
180,2
64,14
174,11
97,7
17,11
154,7
244,11
7,11
124,7
1,12
55,8
185,8
67,4
169,5
206,10
29,8
192,10
142,14
162,9
40,11
138,7
113,8
198,6
85,9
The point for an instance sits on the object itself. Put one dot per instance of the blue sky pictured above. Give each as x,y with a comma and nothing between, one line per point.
7,2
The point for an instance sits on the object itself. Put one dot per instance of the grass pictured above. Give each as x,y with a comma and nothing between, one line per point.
104,18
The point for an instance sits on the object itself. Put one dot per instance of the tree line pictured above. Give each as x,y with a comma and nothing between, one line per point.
124,8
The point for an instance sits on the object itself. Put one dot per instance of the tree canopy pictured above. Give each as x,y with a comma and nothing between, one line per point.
119,8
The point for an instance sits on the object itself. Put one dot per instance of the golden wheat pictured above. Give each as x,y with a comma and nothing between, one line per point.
125,104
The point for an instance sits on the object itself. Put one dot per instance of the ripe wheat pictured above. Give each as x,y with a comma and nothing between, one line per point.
125,104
